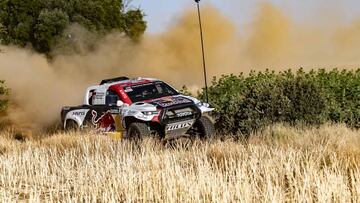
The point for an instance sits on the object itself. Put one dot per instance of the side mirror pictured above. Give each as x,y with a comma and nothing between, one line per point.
119,103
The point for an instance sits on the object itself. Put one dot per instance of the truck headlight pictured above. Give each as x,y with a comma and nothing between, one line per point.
150,113
201,104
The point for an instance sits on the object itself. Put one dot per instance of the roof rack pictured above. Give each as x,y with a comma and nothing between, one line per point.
118,79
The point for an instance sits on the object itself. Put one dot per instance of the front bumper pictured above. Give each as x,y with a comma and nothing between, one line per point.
178,129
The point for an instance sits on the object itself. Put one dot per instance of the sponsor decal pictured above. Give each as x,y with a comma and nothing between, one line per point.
179,126
95,120
105,121
128,89
78,113
184,114
167,102
99,96
171,114
167,99
115,111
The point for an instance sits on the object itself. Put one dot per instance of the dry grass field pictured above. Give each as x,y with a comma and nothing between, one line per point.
277,165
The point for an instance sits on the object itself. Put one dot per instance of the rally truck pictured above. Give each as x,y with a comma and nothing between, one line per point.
138,108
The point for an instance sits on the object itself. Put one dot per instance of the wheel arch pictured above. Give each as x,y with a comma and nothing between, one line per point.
77,115
131,119
77,121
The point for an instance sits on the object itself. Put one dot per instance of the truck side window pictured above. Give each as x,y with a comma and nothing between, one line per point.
111,98
91,95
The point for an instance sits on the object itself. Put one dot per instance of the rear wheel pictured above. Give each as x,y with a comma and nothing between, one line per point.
88,126
203,128
138,131
71,125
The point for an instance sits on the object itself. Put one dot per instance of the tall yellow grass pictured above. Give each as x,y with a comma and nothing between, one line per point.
277,165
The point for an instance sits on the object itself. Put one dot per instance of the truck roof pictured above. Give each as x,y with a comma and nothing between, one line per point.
125,82
116,83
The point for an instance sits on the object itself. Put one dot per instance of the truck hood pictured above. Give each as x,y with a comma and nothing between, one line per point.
161,103
166,102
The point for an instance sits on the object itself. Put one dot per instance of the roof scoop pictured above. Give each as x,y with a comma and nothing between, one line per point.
112,80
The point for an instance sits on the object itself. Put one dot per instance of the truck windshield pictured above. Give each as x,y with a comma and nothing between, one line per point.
143,92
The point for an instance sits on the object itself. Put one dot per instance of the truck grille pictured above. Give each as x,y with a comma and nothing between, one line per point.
179,114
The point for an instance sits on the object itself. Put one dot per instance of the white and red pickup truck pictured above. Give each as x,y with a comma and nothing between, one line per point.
139,107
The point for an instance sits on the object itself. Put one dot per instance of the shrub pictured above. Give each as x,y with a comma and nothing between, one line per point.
342,92
257,101
246,103
307,100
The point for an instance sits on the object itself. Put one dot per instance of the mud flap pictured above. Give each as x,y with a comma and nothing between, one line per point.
119,132
116,136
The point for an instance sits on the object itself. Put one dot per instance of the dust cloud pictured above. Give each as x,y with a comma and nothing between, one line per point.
40,86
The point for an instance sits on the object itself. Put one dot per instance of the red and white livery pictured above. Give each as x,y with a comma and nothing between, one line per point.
139,107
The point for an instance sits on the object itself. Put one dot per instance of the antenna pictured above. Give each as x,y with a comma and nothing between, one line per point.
203,51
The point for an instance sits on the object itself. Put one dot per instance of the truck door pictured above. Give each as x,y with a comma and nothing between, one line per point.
105,114
113,118
103,104
111,99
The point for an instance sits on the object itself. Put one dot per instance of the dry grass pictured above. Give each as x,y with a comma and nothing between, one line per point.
281,164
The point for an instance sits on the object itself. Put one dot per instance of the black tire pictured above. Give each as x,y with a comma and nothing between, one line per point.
71,125
88,126
203,128
138,131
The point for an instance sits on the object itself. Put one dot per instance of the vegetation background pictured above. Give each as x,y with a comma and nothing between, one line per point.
244,103
254,158
41,24
247,103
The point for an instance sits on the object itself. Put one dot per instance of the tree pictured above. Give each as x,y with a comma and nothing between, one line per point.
3,93
40,23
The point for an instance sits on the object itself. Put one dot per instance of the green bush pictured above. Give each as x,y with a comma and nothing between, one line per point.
342,92
246,103
308,103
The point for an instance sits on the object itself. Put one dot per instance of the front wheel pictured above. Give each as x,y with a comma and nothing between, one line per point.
138,131
203,128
